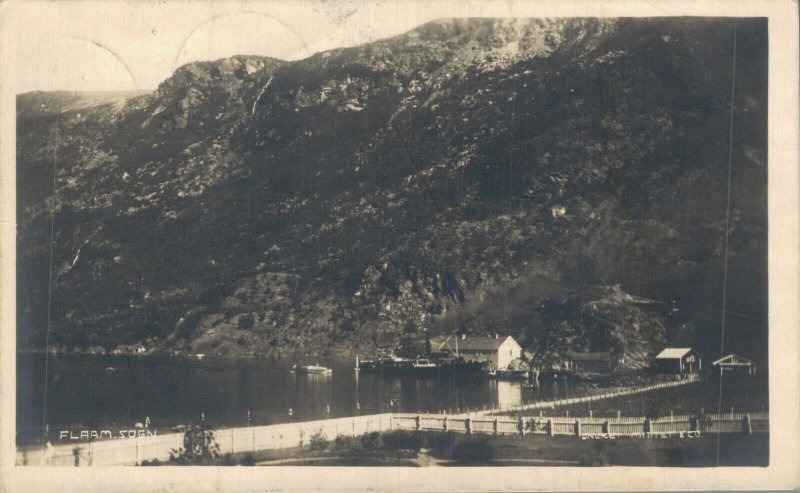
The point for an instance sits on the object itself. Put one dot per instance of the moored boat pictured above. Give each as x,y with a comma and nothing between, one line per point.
506,374
421,367
423,363
315,369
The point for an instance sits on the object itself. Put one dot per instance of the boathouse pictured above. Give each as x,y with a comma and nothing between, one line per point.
734,363
496,351
679,360
601,363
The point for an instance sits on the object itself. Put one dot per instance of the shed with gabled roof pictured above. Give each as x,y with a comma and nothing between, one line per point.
679,360
735,363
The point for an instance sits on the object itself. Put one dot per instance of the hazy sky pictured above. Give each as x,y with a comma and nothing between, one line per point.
129,44
114,45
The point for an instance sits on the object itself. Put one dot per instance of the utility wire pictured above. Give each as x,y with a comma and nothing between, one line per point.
727,228
49,292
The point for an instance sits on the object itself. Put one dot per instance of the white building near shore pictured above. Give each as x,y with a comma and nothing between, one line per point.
497,351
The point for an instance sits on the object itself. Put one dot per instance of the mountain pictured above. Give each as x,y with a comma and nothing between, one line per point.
562,180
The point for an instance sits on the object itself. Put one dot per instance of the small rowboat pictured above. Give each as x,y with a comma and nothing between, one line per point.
315,369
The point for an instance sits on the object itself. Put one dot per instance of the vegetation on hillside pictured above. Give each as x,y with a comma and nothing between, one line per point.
560,180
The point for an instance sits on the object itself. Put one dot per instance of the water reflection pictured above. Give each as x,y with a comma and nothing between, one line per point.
509,393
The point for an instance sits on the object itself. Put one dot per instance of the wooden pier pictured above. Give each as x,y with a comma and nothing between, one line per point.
591,397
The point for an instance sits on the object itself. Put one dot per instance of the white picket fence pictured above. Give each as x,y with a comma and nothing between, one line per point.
133,451
584,426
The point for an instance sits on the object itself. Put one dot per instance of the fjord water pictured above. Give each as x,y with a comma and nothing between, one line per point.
116,392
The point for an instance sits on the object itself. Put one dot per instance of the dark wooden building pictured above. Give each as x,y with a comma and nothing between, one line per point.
594,362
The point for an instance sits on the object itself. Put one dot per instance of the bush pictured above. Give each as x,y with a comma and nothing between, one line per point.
372,441
248,460
405,440
596,456
246,321
654,412
443,444
343,441
395,440
417,441
474,451
318,441
189,324
199,445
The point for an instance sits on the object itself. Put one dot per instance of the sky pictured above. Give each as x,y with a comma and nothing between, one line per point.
103,45
129,45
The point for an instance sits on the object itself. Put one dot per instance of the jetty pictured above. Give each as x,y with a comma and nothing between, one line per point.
591,397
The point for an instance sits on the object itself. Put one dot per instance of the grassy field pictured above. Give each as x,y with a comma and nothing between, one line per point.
733,450
744,394
421,449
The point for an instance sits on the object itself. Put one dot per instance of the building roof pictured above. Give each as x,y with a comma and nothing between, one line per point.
673,352
469,343
595,356
733,360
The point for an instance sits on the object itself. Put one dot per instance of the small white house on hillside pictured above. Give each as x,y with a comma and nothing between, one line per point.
679,360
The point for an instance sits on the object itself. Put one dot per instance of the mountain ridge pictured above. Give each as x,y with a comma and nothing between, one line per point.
366,195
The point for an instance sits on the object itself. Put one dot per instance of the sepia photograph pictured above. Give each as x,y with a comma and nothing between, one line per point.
334,234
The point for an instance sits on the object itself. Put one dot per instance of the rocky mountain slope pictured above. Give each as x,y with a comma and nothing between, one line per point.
481,175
